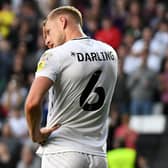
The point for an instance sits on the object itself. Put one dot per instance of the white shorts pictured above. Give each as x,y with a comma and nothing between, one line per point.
73,160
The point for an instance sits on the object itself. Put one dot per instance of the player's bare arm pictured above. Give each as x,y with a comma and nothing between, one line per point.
33,104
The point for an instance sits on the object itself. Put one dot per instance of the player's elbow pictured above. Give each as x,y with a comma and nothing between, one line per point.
31,105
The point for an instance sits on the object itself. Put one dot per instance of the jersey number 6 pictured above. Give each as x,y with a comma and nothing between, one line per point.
99,90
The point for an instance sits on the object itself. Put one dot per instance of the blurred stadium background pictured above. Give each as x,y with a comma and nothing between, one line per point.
138,30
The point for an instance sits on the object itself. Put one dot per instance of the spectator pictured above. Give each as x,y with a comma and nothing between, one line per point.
16,5
28,30
114,122
6,59
140,44
134,26
109,33
121,93
128,40
46,6
134,61
18,65
28,159
119,14
13,34
5,157
94,10
126,133
163,78
90,27
163,62
161,37
32,59
13,143
7,17
14,95
149,10
142,84
160,14
134,8
121,156
40,48
158,46
135,57
142,162
3,114
30,78
26,36
18,124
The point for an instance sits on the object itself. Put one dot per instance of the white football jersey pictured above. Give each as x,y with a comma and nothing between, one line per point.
84,74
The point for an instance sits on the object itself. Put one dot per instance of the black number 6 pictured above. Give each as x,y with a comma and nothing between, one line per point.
99,90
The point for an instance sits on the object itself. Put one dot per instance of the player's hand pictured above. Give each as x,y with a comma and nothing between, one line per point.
45,132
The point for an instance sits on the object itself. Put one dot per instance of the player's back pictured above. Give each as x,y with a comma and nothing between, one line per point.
80,98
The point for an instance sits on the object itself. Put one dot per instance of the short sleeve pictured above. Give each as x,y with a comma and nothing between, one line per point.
47,66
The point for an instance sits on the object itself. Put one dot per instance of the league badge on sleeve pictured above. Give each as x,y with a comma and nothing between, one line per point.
42,61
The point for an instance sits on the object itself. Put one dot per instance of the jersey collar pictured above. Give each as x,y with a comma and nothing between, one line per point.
81,38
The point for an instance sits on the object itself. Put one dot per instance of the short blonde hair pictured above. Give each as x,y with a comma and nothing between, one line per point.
70,10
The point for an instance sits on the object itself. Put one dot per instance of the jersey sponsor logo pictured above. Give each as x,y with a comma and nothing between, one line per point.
94,56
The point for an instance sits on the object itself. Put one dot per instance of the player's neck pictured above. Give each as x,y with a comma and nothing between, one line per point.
75,34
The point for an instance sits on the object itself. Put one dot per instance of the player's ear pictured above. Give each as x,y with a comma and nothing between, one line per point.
63,21
44,33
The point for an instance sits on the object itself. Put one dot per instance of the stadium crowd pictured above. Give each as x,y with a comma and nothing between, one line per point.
138,30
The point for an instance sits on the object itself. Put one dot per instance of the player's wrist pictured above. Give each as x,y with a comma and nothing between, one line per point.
36,136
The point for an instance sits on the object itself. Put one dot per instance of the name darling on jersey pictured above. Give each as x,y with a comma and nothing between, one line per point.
94,56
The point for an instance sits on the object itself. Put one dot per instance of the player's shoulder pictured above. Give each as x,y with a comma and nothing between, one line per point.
52,51
46,55
105,45
59,50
